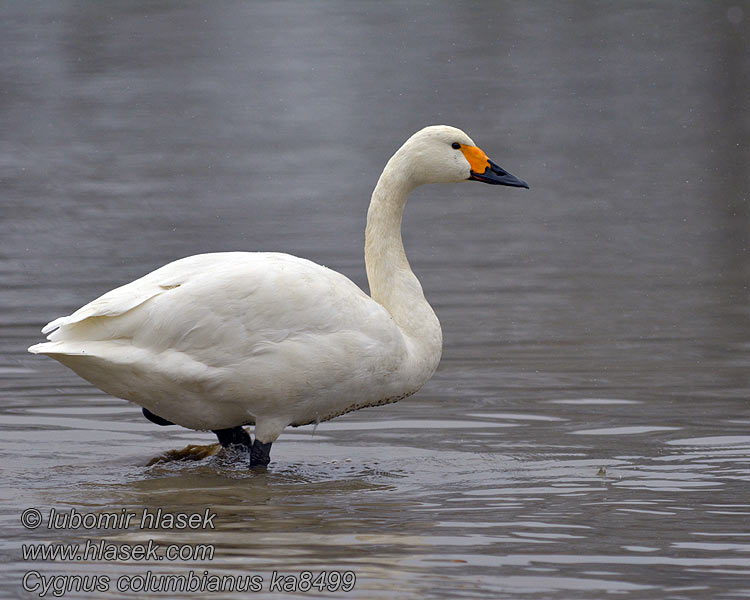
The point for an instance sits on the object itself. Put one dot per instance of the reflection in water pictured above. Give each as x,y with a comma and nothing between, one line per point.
586,432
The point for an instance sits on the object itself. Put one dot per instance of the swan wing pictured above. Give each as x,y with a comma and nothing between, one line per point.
223,300
229,326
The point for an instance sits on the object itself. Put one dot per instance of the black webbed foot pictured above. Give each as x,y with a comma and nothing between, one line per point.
260,454
155,418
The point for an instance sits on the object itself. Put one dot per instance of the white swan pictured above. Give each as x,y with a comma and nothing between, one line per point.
218,341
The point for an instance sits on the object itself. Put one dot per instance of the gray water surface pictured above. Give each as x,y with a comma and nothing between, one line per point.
588,431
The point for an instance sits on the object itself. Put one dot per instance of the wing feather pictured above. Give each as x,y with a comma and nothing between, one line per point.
236,304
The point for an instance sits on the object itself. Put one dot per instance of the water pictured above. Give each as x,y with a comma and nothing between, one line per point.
586,434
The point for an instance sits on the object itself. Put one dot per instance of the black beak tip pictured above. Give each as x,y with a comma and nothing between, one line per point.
495,175
499,178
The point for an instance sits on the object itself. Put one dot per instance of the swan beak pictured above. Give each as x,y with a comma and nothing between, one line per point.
496,175
483,169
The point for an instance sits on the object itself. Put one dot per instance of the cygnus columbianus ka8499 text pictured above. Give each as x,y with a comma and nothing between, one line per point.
218,341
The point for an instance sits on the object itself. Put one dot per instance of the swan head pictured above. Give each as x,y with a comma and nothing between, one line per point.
444,154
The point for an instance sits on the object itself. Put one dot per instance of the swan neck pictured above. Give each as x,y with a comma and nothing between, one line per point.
388,269
392,282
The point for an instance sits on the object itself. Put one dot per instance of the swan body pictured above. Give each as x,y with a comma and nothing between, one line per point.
189,340
217,341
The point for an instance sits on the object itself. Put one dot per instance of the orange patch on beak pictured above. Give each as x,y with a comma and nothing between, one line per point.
478,160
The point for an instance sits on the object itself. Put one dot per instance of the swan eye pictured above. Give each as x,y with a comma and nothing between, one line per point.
455,145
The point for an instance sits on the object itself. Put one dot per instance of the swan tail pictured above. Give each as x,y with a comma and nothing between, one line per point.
74,347
52,348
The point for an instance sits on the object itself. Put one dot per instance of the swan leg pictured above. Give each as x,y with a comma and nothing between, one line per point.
155,418
234,436
260,454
